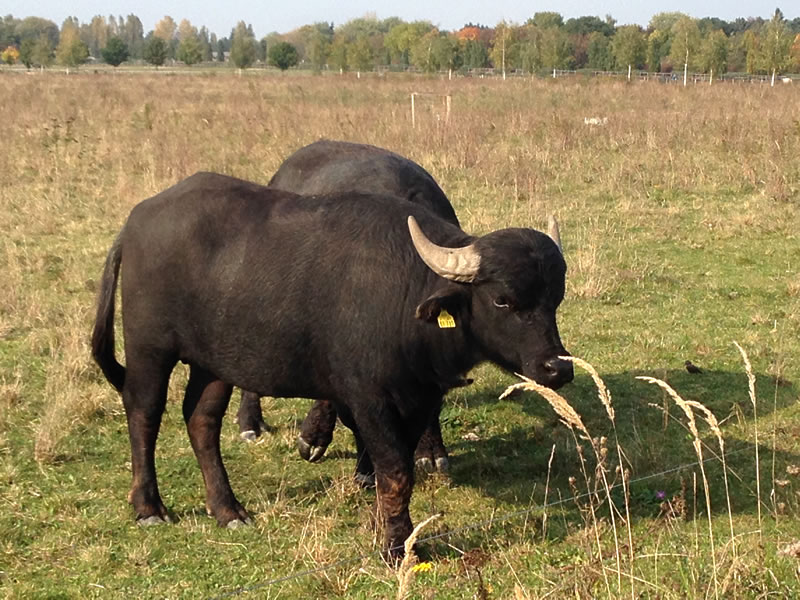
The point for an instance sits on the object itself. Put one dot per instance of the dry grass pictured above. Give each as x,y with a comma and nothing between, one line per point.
572,420
734,564
674,177
687,407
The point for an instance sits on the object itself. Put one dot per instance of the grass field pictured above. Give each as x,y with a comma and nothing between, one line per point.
679,219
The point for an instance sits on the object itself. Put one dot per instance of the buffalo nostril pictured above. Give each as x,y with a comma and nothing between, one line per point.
559,370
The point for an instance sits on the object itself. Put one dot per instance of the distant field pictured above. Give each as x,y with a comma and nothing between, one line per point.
679,215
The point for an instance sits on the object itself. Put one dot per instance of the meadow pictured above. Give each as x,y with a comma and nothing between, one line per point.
679,216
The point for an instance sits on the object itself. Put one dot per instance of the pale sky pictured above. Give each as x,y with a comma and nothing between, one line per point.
220,16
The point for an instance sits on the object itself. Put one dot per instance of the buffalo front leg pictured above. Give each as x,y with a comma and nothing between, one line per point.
391,448
250,418
316,432
204,405
431,453
144,396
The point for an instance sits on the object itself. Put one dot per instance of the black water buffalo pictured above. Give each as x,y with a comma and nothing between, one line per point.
327,167
373,303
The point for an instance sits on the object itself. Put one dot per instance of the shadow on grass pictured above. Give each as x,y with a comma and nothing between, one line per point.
509,462
509,465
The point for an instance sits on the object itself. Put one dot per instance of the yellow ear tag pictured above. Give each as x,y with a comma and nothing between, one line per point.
446,320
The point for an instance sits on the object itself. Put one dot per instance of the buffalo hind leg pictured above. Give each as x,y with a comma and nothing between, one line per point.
316,432
204,405
250,418
144,396
365,472
431,453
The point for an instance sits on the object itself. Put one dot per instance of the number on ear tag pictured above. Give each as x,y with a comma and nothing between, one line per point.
446,320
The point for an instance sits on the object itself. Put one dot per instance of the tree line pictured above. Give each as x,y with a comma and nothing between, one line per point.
671,41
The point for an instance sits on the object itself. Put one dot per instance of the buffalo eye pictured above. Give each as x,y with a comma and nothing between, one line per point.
502,302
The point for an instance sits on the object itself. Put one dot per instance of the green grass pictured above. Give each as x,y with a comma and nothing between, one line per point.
679,220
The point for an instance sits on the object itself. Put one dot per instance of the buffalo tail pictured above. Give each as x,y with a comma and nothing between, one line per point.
103,333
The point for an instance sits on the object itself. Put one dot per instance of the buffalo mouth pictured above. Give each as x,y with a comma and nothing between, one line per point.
553,372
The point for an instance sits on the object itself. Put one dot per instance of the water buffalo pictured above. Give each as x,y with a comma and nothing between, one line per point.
373,303
326,167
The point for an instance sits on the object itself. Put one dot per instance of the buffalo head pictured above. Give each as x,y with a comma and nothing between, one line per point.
505,288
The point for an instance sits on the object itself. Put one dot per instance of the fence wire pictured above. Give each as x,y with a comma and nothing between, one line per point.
475,525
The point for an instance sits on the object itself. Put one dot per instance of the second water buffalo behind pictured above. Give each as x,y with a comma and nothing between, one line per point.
330,167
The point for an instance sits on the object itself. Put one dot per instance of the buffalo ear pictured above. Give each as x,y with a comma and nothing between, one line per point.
453,298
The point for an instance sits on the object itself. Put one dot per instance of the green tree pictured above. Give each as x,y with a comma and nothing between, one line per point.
547,20
714,52
737,53
26,52
685,45
205,44
283,55
221,50
598,52
96,35
261,50
505,52
41,52
556,48
752,46
629,47
243,46
421,55
133,36
589,25
664,21
155,51
34,28
359,54
530,51
318,47
446,52
475,55
401,38
71,50
8,34
338,54
116,52
657,48
775,45
190,52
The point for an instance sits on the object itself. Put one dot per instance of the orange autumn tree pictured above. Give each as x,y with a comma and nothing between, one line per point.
10,55
794,53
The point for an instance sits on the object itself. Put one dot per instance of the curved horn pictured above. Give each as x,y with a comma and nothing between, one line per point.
457,264
552,231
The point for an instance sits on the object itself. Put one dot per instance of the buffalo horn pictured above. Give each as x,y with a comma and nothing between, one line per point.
457,264
552,231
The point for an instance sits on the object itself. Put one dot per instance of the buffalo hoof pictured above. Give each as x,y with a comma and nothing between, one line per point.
251,435
248,436
425,464
366,480
429,464
238,523
153,520
309,452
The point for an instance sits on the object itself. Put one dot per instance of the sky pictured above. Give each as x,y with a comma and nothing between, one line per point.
221,16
